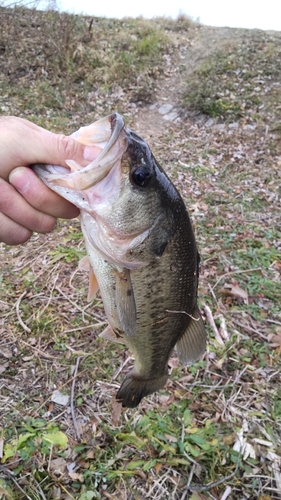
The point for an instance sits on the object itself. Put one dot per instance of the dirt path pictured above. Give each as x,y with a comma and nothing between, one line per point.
153,120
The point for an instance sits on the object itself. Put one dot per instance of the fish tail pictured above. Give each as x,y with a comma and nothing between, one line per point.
134,388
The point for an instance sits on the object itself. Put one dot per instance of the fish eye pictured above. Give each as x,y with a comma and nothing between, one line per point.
141,176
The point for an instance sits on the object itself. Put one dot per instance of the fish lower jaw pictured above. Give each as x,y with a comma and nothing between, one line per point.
134,388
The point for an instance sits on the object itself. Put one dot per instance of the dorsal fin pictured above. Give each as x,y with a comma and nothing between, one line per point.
192,344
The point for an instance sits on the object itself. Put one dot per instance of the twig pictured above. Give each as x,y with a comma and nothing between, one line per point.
26,329
39,488
39,314
43,354
188,482
242,271
119,370
210,319
93,326
222,329
11,476
77,431
61,387
226,493
273,321
217,483
65,490
70,301
212,293
249,329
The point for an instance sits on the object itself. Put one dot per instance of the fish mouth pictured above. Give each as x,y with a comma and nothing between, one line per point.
107,135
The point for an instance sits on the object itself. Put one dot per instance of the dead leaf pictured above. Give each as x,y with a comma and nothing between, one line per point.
275,340
7,353
170,438
158,467
3,367
75,476
229,439
116,411
58,466
234,290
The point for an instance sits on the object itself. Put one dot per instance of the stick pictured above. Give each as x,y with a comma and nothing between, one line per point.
236,272
18,313
210,319
249,329
72,400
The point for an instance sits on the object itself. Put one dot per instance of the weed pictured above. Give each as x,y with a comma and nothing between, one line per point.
237,80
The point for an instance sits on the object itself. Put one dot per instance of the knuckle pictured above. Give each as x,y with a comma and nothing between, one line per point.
68,147
12,233
20,236
46,223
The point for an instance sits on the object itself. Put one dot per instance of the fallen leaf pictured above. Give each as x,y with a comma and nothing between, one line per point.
116,411
235,291
7,353
75,476
3,367
158,467
275,340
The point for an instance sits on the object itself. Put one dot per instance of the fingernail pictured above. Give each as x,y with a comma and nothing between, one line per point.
19,179
91,152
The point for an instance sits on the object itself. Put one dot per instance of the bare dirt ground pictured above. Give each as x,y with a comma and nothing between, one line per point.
171,90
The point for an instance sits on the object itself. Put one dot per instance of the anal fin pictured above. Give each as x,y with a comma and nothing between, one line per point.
109,334
192,344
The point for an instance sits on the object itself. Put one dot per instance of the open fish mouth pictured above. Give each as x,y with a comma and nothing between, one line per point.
107,135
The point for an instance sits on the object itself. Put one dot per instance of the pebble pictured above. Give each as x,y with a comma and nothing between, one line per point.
165,109
171,116
59,398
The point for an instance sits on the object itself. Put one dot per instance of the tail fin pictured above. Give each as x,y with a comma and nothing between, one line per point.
134,388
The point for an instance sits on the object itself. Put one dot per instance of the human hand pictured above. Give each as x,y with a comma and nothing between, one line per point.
26,204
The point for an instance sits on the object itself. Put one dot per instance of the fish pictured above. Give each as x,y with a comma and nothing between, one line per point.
141,252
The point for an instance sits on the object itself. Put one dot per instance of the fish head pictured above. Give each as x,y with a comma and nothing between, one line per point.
117,193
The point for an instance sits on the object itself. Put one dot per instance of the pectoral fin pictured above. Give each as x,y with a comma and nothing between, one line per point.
93,283
192,344
93,286
125,302
84,263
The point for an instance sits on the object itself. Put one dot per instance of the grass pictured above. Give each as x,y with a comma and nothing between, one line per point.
67,73
240,80
215,430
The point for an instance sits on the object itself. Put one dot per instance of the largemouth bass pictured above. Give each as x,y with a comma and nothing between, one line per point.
142,252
